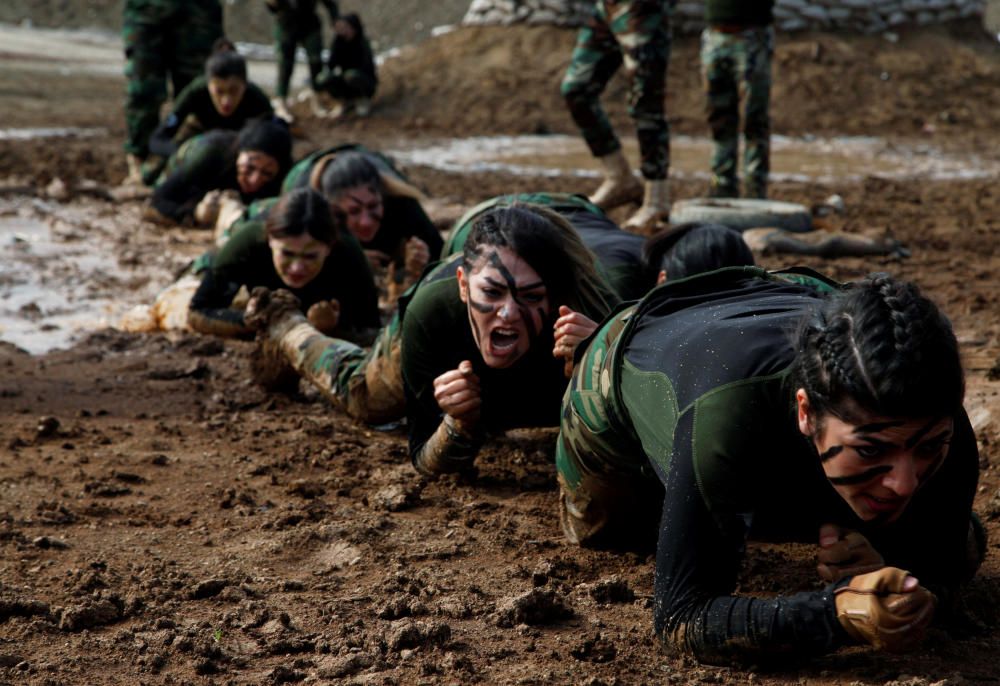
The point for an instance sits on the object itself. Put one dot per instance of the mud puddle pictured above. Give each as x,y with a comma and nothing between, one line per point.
27,134
98,53
823,160
62,275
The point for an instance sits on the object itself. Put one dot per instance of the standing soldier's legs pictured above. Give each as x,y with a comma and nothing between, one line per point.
643,31
146,73
195,33
312,43
756,116
595,59
644,34
284,50
718,60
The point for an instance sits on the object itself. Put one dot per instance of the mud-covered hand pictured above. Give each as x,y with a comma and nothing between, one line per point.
457,393
570,329
207,210
416,255
844,553
888,609
265,307
324,315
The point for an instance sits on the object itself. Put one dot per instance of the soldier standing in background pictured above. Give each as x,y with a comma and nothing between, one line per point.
296,23
736,49
161,37
636,33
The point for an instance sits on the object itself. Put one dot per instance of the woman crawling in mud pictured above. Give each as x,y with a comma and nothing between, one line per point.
303,247
477,331
382,209
851,432
221,99
248,165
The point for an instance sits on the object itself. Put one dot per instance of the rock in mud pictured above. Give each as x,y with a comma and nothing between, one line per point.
401,606
208,588
396,497
345,666
595,649
612,590
285,675
409,634
47,426
537,606
89,614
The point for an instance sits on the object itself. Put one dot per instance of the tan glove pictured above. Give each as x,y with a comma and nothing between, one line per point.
324,315
888,609
207,210
845,553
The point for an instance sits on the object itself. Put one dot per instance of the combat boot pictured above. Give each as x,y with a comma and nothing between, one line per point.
281,109
362,106
620,184
134,177
655,208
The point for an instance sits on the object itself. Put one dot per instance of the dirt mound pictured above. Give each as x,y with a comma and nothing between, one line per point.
485,79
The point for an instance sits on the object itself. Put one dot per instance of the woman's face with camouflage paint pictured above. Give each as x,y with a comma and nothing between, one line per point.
508,305
878,464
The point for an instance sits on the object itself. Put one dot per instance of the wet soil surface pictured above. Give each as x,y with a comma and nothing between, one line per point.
164,521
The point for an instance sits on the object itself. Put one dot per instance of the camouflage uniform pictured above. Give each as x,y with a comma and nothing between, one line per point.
162,37
368,386
736,51
296,23
636,33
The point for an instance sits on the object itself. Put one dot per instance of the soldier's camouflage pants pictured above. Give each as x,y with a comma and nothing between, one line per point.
287,37
737,67
368,386
162,38
635,33
608,494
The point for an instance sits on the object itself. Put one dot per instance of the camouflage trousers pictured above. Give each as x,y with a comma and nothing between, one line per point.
607,492
368,386
287,37
162,38
737,67
636,34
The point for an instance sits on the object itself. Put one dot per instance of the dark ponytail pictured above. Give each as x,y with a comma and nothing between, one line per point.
879,347
303,211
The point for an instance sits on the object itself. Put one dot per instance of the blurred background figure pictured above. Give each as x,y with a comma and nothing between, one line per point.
162,38
296,23
350,76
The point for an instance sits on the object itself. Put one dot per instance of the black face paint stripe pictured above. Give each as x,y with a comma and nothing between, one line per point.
915,438
876,427
480,307
832,452
864,476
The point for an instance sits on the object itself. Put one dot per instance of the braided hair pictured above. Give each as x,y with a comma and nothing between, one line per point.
551,246
879,347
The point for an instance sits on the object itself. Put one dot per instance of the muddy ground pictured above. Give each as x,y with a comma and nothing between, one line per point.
164,521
